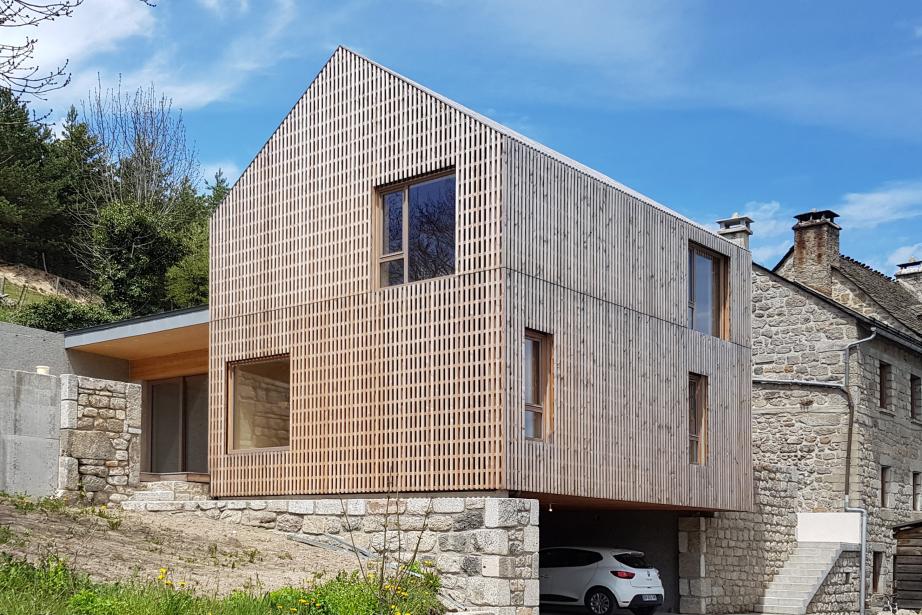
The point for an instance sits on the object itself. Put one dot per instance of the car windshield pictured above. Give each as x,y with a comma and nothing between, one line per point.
634,560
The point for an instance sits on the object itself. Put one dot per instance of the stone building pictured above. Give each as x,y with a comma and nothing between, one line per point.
837,422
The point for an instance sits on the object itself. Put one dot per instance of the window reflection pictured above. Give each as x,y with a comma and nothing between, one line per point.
431,237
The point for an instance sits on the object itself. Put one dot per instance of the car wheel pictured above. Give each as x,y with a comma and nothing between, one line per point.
600,601
644,610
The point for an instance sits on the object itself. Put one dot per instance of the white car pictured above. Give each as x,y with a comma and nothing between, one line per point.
603,579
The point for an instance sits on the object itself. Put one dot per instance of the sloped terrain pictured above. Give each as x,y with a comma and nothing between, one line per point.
209,556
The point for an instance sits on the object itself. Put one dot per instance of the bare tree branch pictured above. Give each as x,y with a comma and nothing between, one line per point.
18,70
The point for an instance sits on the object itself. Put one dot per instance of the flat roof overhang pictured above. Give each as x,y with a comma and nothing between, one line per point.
157,335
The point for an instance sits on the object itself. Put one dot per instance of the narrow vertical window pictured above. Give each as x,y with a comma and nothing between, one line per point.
917,491
536,382
884,384
416,231
697,419
885,472
915,397
707,291
877,572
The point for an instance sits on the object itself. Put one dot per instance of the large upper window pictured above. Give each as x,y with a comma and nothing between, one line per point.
259,412
707,291
416,237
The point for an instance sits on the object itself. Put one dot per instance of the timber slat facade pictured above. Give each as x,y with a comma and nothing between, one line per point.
418,387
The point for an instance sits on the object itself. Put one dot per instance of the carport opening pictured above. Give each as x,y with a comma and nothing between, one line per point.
653,532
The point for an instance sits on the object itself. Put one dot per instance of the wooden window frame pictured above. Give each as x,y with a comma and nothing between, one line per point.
884,376
377,235
886,481
229,406
917,491
723,287
545,384
877,571
150,441
698,442
915,397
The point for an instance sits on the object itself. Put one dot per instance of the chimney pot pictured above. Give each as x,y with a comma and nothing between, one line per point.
909,275
736,229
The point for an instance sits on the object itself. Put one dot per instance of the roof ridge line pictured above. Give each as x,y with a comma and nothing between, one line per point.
536,145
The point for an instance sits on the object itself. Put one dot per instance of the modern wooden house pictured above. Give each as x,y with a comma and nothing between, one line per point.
407,296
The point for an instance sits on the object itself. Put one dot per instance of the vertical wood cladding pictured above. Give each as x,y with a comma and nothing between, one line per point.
418,387
606,274
397,388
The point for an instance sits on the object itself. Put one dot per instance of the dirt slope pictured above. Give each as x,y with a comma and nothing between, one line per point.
44,283
212,556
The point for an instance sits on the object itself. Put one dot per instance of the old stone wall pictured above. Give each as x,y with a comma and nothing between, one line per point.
886,437
261,411
725,561
100,439
485,548
838,595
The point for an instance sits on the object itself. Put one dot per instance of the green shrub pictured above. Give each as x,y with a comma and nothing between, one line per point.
60,314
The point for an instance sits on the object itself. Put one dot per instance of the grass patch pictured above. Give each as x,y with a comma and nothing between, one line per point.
51,588
25,504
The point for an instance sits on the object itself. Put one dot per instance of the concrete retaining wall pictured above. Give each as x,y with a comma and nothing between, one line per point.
29,432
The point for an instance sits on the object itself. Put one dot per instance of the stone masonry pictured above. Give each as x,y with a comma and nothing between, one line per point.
100,439
484,548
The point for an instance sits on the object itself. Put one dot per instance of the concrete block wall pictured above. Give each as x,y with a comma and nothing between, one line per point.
29,432
100,455
485,548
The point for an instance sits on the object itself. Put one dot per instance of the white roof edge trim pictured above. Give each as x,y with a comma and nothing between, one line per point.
132,329
505,130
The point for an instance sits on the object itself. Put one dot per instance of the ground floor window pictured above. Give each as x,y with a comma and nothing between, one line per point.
179,424
877,565
259,403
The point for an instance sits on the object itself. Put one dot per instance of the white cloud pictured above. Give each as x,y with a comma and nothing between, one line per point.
230,169
768,219
220,7
96,27
768,254
905,254
890,202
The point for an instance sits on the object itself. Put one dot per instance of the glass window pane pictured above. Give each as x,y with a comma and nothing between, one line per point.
431,234
392,233
166,426
533,424
531,377
704,282
261,404
392,273
196,427
693,406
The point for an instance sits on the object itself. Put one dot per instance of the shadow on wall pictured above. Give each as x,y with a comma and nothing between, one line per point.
653,532
29,432
24,348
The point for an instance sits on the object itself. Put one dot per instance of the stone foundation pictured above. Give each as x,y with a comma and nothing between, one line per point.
484,548
100,439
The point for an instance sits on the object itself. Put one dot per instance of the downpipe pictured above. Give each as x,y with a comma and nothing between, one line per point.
862,585
862,565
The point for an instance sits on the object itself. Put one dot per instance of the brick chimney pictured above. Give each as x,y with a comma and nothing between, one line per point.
816,249
910,276
736,229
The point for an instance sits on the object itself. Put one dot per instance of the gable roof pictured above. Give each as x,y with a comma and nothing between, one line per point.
884,329
507,132
885,291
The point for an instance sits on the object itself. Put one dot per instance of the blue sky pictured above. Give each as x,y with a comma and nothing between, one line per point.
769,108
